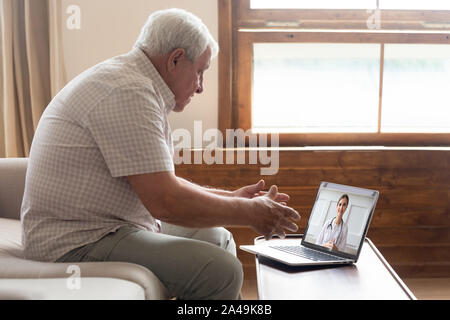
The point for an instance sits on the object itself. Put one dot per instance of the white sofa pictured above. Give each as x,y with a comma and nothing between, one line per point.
26,279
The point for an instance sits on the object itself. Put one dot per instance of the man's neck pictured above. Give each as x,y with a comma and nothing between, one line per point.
159,64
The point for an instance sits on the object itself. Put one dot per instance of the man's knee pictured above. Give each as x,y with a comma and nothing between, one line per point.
221,277
229,276
218,236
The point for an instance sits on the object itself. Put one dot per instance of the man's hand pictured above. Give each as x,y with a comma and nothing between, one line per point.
256,190
178,202
271,217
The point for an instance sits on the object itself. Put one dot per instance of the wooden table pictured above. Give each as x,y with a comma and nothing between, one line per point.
370,278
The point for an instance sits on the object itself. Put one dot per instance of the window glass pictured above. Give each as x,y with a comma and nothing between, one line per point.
315,87
416,88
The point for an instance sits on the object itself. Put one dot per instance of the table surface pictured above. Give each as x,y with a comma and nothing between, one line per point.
371,277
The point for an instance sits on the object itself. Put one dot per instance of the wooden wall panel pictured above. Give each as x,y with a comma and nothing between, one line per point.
411,224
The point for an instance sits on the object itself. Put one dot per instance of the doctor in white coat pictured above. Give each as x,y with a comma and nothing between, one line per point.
334,232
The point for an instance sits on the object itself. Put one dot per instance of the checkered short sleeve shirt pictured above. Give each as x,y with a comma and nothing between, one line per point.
108,123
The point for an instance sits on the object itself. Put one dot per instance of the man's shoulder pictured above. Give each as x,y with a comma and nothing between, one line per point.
108,85
107,78
115,72
119,72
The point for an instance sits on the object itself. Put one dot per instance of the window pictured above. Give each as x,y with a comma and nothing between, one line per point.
315,87
416,83
329,72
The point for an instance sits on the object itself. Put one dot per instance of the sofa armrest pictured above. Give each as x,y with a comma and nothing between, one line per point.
17,268
58,289
13,265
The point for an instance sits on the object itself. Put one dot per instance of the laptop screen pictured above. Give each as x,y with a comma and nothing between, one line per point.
340,219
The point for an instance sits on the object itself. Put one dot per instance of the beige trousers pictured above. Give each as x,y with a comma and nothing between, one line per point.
192,263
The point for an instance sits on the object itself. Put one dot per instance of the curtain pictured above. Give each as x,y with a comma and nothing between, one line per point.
58,78
31,69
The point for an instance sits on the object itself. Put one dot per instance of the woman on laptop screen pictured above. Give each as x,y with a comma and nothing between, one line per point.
334,232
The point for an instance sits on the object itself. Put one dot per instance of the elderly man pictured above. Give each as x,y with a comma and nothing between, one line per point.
101,177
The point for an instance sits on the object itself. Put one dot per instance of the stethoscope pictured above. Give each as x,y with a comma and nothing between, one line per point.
340,230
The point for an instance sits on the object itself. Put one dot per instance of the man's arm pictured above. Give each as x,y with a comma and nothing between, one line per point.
249,191
173,201
212,190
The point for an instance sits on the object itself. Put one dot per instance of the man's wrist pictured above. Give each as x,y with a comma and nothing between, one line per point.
244,209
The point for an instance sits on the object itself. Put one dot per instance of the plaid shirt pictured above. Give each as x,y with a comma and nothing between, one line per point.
106,124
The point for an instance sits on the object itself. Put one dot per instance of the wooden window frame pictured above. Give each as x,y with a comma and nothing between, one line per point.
240,25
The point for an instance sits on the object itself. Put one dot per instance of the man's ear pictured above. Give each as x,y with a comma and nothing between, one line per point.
176,56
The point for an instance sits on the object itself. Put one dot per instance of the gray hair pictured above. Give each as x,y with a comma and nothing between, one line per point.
167,30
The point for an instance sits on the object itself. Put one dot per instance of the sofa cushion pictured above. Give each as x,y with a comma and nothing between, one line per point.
10,238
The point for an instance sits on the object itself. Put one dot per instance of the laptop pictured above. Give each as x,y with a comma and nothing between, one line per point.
335,232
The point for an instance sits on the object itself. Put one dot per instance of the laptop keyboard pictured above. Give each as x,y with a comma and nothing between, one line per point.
307,253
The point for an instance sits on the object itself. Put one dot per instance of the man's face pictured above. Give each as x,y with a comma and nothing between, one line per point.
187,78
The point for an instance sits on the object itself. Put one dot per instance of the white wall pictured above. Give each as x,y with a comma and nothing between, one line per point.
110,27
